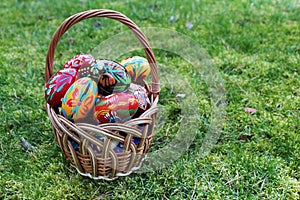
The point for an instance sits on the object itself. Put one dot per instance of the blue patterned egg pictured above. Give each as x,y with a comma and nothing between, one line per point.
113,79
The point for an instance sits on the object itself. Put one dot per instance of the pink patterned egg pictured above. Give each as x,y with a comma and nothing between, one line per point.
58,85
78,61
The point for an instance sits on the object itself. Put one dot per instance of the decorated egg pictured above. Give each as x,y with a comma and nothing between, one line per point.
78,61
79,99
141,94
118,107
93,71
113,79
138,68
58,85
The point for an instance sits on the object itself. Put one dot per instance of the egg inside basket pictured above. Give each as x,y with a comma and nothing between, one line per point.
94,91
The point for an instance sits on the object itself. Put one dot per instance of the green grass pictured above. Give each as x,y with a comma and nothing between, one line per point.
254,44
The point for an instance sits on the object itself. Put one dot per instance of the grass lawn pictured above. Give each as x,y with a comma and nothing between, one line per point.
255,45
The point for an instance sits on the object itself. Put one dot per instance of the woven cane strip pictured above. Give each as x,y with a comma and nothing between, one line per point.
150,112
138,121
124,128
75,158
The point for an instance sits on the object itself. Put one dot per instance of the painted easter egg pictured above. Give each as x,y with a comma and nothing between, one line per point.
79,99
78,61
93,71
114,78
138,68
141,94
118,107
58,85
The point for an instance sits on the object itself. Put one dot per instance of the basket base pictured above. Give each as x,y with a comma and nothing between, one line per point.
107,178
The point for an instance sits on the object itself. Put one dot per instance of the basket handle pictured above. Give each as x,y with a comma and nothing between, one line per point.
155,87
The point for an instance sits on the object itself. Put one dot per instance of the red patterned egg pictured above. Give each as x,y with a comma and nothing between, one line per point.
78,61
58,85
117,107
79,99
137,67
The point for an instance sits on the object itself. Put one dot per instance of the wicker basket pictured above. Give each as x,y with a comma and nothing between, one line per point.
105,164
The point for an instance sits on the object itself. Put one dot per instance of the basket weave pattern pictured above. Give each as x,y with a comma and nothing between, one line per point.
105,163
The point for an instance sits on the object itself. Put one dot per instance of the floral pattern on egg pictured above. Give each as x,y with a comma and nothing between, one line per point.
114,78
78,61
138,68
118,107
93,71
58,85
79,99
